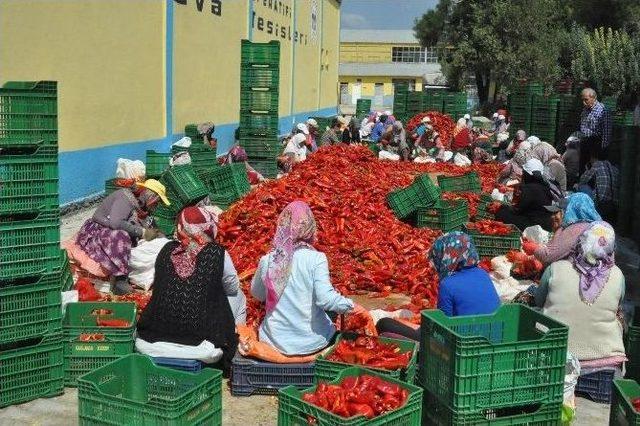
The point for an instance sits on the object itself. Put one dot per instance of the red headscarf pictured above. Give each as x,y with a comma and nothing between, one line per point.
196,227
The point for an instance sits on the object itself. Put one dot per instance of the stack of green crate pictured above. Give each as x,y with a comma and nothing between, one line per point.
363,107
90,342
227,184
455,104
259,100
414,104
434,99
400,93
520,103
30,257
544,112
323,123
156,163
203,157
503,368
568,117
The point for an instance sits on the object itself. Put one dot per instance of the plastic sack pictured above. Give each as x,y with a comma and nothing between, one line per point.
497,195
184,142
250,346
424,160
447,156
142,262
70,296
571,374
386,155
461,160
536,234
129,169
205,351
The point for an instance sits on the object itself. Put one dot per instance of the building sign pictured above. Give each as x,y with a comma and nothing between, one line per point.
206,6
274,18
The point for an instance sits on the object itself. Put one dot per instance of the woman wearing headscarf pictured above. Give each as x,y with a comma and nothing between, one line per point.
464,288
118,223
351,133
293,281
396,138
513,146
196,298
535,194
585,292
513,169
553,168
461,136
573,216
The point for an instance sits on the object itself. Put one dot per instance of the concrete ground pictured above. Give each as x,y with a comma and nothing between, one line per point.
236,411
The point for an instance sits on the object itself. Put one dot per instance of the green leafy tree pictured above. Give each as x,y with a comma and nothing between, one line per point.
608,59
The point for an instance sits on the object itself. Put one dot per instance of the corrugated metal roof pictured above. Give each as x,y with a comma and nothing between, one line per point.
378,36
388,69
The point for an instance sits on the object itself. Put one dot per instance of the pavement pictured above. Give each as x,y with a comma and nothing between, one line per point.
236,411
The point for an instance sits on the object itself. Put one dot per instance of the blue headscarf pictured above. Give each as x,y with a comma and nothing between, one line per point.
580,209
451,252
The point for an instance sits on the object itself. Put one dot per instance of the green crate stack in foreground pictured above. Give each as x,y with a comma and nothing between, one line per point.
421,193
469,182
328,370
294,411
156,163
632,348
133,390
445,216
83,351
512,358
622,411
495,245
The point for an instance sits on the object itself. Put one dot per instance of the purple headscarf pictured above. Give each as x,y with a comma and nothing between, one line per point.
296,229
593,259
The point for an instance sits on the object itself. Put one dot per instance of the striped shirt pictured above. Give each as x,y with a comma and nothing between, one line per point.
596,121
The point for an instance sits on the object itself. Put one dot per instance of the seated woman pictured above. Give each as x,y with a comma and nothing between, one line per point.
461,136
196,301
465,288
585,292
553,167
535,194
571,218
513,169
118,223
293,281
395,140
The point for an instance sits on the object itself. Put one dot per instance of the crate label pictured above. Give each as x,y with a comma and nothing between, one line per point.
92,348
542,328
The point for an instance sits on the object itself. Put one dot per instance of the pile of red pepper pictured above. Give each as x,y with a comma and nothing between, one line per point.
368,248
364,395
370,351
524,266
494,206
112,322
442,123
471,198
636,404
490,227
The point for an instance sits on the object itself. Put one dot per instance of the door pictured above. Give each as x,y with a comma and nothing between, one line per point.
356,92
344,93
378,98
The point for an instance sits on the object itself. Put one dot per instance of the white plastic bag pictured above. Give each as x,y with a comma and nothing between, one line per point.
497,195
572,372
424,160
461,160
536,234
386,155
184,142
448,155
205,351
142,262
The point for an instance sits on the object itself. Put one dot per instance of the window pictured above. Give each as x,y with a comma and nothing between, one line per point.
414,54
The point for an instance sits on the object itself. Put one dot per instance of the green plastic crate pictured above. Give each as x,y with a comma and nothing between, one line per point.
28,121
261,147
622,411
624,118
157,163
66,277
204,161
633,348
42,86
229,179
223,201
513,357
259,100
186,184
191,131
434,413
259,78
294,411
481,212
32,372
421,193
30,308
134,391
29,245
267,168
165,219
495,245
328,370
469,182
81,318
29,184
29,103
82,357
261,125
260,54
446,216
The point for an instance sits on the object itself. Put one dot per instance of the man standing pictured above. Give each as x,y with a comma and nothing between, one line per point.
595,126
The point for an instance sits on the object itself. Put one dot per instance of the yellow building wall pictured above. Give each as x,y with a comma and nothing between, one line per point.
368,84
108,59
306,79
206,63
368,52
330,53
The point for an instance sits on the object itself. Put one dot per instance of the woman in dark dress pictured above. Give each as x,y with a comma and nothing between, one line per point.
535,194
196,294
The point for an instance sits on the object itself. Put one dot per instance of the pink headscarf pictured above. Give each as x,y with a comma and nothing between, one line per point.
296,229
196,227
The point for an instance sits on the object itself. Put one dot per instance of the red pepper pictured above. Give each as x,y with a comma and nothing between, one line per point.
361,410
113,322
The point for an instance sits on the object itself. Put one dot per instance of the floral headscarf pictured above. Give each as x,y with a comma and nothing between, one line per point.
523,154
580,208
196,227
296,229
593,260
452,252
